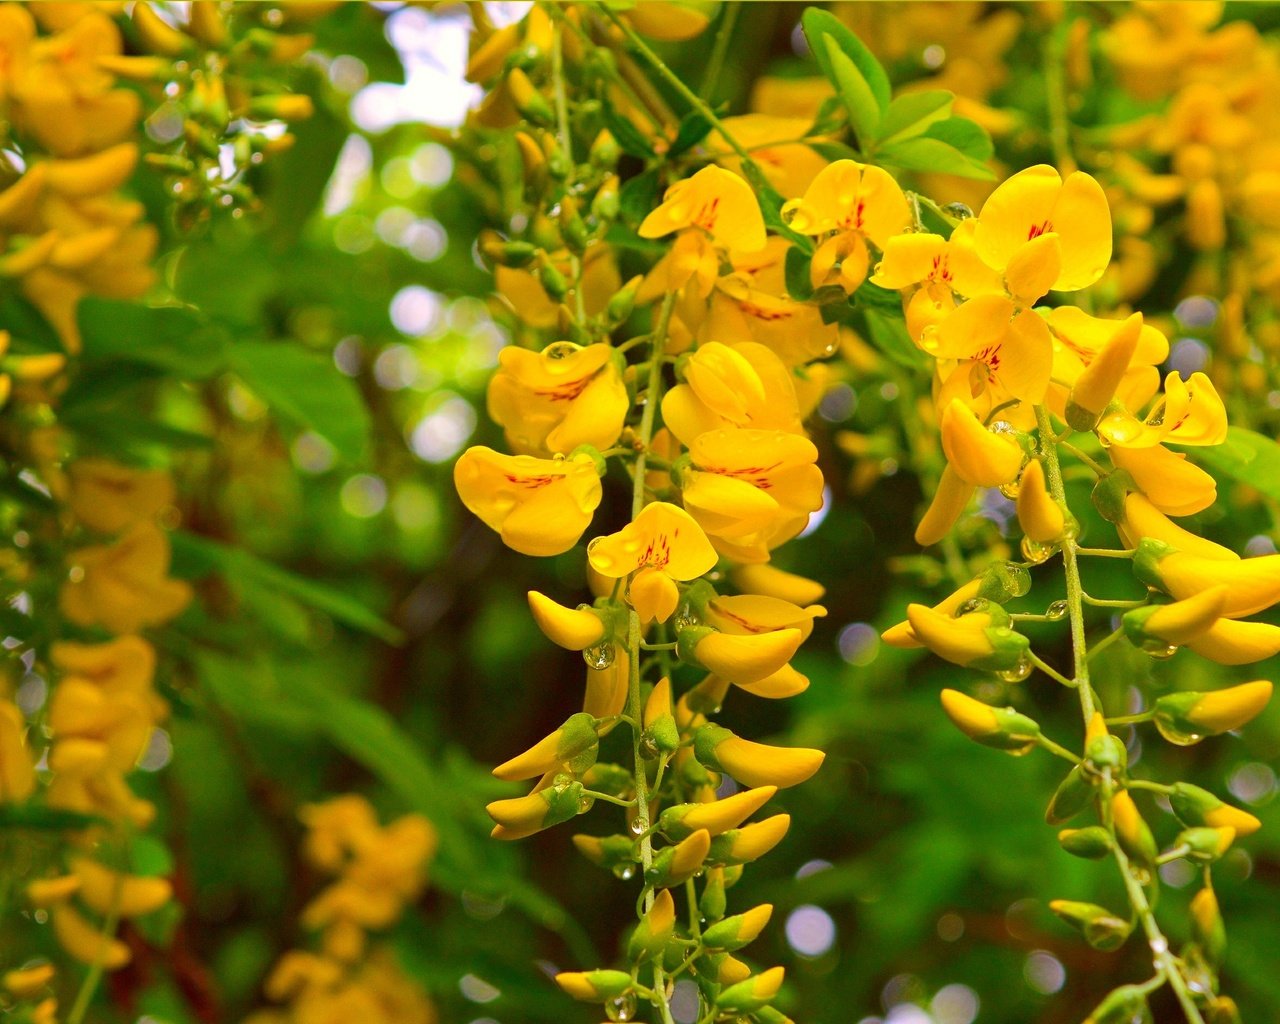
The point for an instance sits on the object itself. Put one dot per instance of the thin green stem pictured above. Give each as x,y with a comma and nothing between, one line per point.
1165,962
566,144
1107,552
1147,784
1058,749
1098,468
724,33
635,634
1138,719
608,798
1106,642
1049,670
1108,602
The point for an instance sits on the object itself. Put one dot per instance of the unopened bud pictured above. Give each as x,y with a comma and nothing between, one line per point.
655,929
676,864
754,764
531,103
1206,924
1187,717
1093,842
1002,728
1196,806
595,986
1101,928
1206,845
738,931
753,993
743,845
1072,796
1096,386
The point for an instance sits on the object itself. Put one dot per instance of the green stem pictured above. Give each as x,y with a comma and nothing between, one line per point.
1049,670
635,634
566,144
1058,749
1138,719
718,52
1165,961
1107,552
1106,642
1098,468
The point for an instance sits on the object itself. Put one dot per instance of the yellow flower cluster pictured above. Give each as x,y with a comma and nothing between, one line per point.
377,871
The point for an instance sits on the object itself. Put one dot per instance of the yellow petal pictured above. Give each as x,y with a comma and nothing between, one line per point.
1034,267
949,502
663,536
978,455
1082,219
1229,642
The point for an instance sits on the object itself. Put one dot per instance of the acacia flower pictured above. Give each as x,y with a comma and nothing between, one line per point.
538,506
1229,642
751,490
553,401
979,456
852,204
1195,715
1035,227
107,497
124,586
1252,583
979,639
663,545
1174,485
1190,413
740,385
714,211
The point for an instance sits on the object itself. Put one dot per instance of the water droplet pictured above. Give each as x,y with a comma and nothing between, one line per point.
638,826
1178,737
1035,552
974,604
1159,945
648,748
585,803
1003,427
626,872
1019,672
1056,611
599,657
1010,490
960,211
1160,651
685,618
559,350
621,1009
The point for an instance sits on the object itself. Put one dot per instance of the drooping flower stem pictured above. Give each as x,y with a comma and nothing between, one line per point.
652,394
1166,964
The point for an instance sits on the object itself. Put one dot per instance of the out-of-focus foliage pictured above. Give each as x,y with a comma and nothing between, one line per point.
307,359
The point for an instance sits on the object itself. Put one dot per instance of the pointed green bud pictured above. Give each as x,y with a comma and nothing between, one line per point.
753,993
623,302
1002,728
1106,752
1146,562
1124,1005
1109,494
1073,795
1101,928
1093,842
595,986
655,929
1196,806
613,853
737,931
712,903
553,281
1206,845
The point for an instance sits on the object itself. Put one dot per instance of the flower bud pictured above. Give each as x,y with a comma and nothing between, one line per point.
1229,642
655,929
720,969
106,891
283,107
1101,928
1196,806
594,986
206,23
1072,796
769,580
84,941
743,845
1185,718
1140,518
1206,924
681,820
1132,832
738,659
1093,842
574,629
981,639
1040,517
738,931
622,302
613,853
949,501
1175,623
524,815
571,748
1205,845
157,35
675,864
1252,583
1096,386
1002,728
1103,751
532,105
711,904
1123,1005
604,151
1222,1010
754,764
26,982
753,993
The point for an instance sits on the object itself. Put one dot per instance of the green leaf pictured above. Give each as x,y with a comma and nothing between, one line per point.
771,202
175,339
799,282
32,815
1248,457
28,325
911,114
199,556
969,137
934,157
628,136
306,389
817,23
889,334
114,430
693,129
638,196
856,94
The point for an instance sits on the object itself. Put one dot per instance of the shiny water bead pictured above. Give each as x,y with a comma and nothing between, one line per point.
599,657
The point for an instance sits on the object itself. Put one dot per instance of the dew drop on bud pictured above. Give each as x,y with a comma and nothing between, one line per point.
638,826
598,657
974,604
1176,736
1160,651
1010,490
1056,611
625,872
1035,552
585,803
621,1009
1018,673
685,618
960,211
559,350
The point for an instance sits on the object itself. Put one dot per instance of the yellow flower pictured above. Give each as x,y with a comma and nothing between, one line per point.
17,769
1040,517
663,545
852,204
941,265
1001,352
713,210
538,506
94,733
1172,484
1034,204
1190,413
742,385
1229,642
976,639
124,586
751,490
552,401
949,502
108,497
743,614
981,457
744,309
1252,583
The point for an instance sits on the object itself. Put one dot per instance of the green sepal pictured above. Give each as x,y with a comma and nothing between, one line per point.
1107,752
705,741
1109,494
1072,796
1093,842
1146,561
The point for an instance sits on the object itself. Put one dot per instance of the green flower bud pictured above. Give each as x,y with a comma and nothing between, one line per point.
1072,796
1205,845
613,853
655,929
595,986
1106,752
1124,1005
1109,494
711,905
1093,842
753,993
1101,928
738,931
